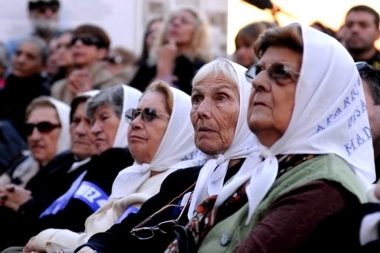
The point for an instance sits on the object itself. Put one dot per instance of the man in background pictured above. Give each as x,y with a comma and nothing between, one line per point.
361,30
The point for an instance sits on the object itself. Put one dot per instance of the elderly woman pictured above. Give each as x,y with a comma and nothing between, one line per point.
160,112
182,46
317,157
218,115
47,130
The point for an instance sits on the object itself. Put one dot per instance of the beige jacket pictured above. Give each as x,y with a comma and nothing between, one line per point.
100,75
51,240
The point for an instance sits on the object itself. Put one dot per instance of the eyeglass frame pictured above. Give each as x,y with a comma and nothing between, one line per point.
138,227
87,40
288,70
129,119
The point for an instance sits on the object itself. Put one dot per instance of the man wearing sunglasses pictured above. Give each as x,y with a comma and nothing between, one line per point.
89,46
44,18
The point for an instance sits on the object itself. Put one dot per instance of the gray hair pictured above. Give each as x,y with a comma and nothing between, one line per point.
112,97
42,46
216,68
4,56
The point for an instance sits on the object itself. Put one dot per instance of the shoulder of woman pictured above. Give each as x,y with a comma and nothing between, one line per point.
181,178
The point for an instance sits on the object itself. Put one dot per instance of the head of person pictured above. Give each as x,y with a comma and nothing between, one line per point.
244,54
160,137
106,111
29,58
321,27
64,54
361,29
51,62
371,79
150,35
47,128
44,15
82,140
119,58
285,110
189,30
89,44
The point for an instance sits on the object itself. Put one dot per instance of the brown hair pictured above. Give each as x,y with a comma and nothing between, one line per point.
288,36
95,31
163,88
40,102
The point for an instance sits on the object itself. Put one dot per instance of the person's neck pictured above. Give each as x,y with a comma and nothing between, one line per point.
233,162
154,173
364,56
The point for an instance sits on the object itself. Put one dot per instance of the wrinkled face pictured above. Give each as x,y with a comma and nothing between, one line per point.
272,101
104,128
244,52
82,140
85,55
144,137
360,31
64,54
27,60
182,28
214,114
43,146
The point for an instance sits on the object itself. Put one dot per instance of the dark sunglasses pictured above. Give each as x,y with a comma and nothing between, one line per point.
42,6
147,114
42,127
115,60
145,233
276,72
87,40
361,65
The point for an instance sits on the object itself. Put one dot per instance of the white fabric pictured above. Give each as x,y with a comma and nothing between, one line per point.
63,110
328,117
131,99
176,150
369,228
211,177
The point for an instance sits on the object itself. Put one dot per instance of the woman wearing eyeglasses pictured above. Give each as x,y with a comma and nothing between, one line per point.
316,148
219,109
161,111
89,46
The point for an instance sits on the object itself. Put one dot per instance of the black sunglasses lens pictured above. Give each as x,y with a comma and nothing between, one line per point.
29,128
131,114
149,114
86,40
44,127
277,71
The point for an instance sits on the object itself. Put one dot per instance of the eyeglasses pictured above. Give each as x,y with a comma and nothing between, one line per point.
42,127
277,71
42,6
145,233
87,40
361,65
115,60
147,114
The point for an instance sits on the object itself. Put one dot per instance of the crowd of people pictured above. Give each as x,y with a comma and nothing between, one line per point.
274,149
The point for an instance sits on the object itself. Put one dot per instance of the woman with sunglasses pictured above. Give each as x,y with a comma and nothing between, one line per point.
315,141
218,115
161,111
89,45
181,47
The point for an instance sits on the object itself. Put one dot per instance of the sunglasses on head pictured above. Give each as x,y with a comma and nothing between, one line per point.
115,59
42,127
276,72
86,40
361,65
147,114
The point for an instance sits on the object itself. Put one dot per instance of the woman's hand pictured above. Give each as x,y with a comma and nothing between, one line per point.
16,196
79,81
29,247
166,59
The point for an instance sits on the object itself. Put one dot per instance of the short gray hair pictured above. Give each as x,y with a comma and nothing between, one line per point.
112,97
42,46
216,68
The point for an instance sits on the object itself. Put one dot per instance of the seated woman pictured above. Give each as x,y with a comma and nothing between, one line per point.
47,130
182,46
218,115
317,157
161,112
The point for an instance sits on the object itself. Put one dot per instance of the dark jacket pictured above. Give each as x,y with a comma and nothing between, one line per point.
119,239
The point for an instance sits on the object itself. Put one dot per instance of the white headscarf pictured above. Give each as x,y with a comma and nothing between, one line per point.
176,150
130,100
329,117
210,181
63,110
